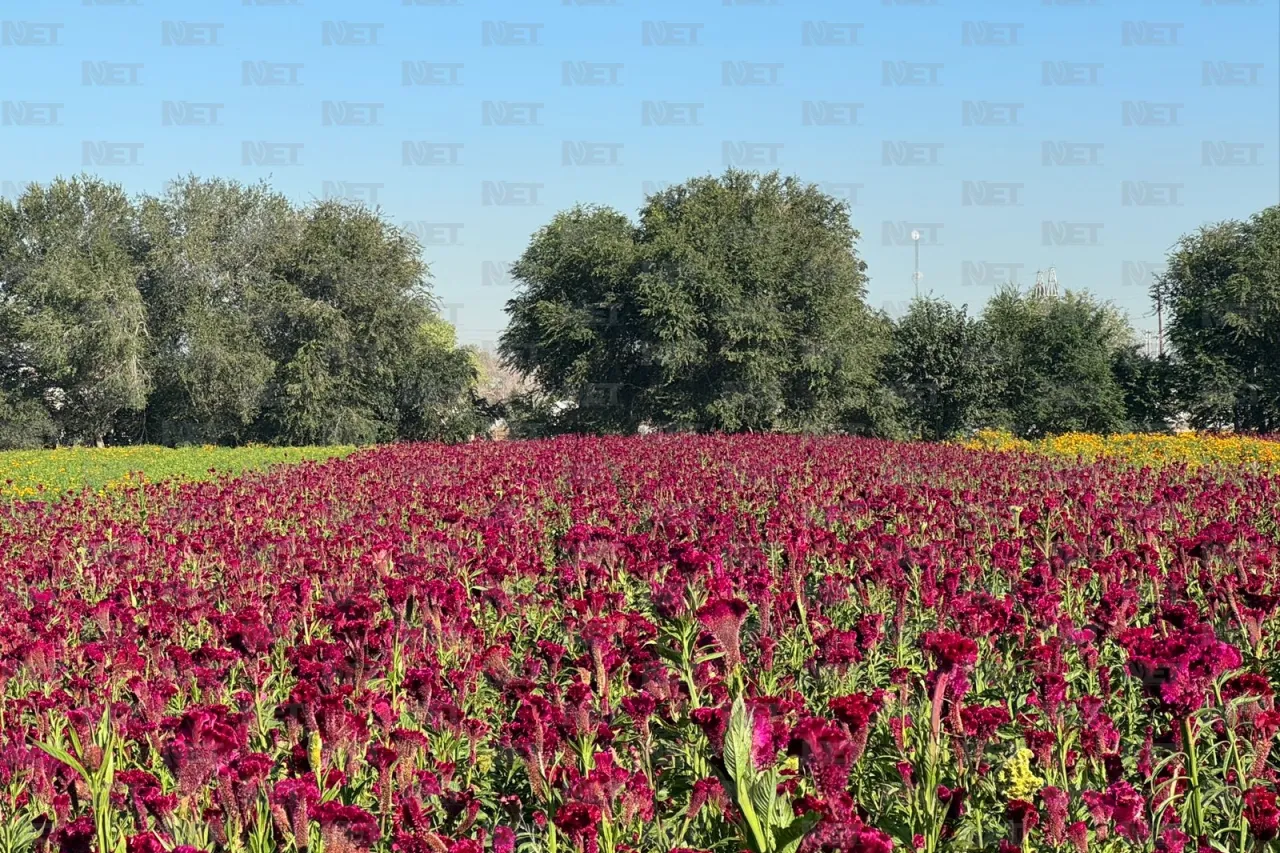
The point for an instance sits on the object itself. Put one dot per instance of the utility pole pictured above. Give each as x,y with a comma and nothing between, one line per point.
1159,315
915,276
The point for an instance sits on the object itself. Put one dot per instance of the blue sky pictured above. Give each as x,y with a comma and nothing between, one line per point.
1015,134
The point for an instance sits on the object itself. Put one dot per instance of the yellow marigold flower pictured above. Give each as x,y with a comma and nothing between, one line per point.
1021,783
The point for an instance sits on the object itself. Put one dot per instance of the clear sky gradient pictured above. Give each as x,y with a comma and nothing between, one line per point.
1015,134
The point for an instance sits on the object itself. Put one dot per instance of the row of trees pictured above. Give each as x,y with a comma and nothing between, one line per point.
218,313
222,313
738,303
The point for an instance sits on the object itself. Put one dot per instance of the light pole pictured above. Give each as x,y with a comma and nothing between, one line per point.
915,276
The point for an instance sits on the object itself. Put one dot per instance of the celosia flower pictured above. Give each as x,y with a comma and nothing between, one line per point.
1262,813
723,619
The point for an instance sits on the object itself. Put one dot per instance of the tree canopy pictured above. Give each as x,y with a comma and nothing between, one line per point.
734,303
217,312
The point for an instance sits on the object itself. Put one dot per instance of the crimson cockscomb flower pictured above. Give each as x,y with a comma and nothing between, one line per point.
345,829
1022,817
825,751
723,619
292,801
1262,813
579,821
1056,802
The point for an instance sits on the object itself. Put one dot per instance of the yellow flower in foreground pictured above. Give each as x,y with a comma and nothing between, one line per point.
1021,783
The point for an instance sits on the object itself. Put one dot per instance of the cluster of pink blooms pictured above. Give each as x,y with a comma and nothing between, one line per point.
538,646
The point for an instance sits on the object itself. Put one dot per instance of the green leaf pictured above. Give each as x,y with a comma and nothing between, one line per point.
737,745
786,839
764,792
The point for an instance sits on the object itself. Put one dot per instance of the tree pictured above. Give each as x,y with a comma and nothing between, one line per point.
736,303
941,367
1222,292
72,321
212,252
352,335
1149,385
1053,359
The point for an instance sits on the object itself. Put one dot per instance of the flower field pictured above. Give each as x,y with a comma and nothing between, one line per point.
754,643
1151,449
26,474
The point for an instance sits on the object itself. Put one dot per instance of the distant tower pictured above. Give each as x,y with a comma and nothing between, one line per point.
1046,288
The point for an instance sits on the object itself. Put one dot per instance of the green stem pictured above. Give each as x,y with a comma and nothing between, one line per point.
1193,775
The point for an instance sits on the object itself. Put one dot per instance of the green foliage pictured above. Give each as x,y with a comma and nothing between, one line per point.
26,474
941,368
736,303
219,313
72,321
1149,385
211,253
1052,360
1222,291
